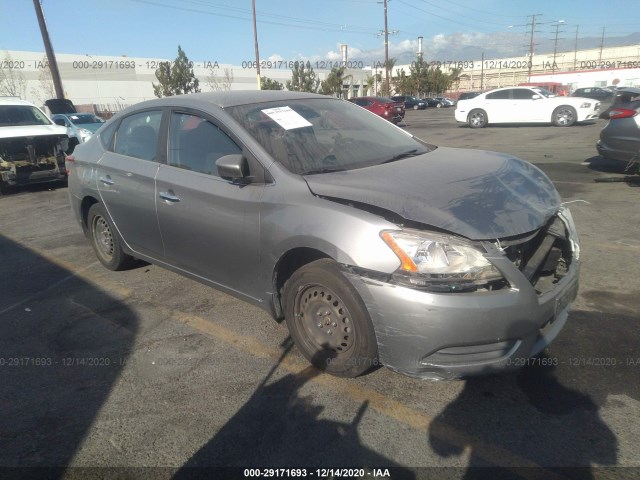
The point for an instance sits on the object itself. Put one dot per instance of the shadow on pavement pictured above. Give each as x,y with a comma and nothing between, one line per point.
530,423
280,428
62,342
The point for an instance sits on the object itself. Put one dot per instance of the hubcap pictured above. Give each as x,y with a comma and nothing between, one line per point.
103,237
324,318
477,118
564,116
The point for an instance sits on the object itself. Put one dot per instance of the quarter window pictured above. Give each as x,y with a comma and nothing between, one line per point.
138,135
195,144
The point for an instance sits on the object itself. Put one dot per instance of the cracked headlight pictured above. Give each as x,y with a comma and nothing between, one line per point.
439,262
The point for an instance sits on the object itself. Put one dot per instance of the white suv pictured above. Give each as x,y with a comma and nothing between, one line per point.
31,146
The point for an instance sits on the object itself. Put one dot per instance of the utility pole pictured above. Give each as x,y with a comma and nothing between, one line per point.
555,44
255,41
482,73
601,46
575,51
531,43
51,58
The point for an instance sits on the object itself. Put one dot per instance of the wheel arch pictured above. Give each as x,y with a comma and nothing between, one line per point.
87,203
288,263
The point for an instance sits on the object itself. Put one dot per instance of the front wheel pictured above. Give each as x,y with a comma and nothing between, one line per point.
564,116
415,107
105,240
477,118
438,105
328,320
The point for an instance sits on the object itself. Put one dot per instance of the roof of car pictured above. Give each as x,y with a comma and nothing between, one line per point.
228,99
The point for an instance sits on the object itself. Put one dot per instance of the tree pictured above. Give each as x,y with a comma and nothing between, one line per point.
267,83
334,83
303,78
176,78
45,89
12,82
388,65
220,84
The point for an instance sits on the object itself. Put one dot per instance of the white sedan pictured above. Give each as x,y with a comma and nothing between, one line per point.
525,105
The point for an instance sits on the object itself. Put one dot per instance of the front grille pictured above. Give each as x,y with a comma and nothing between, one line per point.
543,256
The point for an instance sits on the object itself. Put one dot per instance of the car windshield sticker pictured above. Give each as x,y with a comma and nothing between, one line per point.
286,117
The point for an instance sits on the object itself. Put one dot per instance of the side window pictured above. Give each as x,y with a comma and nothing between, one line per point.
195,144
523,94
138,135
499,95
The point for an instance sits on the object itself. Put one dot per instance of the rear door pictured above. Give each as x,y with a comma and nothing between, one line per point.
210,225
498,106
126,181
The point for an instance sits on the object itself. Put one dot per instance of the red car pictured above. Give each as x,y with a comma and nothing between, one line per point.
385,107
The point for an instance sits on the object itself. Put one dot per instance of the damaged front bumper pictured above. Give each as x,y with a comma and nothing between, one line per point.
451,335
30,160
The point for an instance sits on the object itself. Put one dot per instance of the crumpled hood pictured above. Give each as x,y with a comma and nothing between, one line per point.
477,194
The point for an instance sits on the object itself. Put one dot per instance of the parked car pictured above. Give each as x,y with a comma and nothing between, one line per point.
383,106
620,138
433,102
621,96
31,146
446,101
410,102
524,105
374,246
80,126
596,93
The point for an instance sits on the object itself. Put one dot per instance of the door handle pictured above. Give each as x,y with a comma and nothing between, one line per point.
169,197
107,180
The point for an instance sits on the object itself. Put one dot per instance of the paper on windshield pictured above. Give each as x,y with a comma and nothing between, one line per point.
286,117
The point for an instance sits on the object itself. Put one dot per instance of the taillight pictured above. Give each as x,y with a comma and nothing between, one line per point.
67,161
622,113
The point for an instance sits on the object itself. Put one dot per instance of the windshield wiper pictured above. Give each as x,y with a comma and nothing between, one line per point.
322,170
409,153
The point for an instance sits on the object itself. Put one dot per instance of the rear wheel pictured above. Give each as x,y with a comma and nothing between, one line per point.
328,320
564,116
477,118
105,240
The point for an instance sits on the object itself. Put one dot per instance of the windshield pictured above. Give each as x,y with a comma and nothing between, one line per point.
83,119
14,115
320,135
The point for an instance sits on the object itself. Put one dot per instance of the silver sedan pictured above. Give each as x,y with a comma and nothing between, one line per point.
375,246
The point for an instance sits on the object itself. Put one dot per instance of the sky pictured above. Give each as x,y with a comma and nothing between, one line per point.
288,30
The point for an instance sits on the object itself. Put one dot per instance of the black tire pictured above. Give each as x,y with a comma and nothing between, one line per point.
328,320
564,116
105,240
477,118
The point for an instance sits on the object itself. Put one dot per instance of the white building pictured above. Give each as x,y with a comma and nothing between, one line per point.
112,82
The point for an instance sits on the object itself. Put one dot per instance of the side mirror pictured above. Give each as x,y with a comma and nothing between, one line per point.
60,121
535,97
232,166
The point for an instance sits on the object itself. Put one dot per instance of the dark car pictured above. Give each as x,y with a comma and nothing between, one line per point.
620,138
383,106
374,246
410,102
595,93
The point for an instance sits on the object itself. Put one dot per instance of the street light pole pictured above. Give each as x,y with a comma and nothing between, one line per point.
386,49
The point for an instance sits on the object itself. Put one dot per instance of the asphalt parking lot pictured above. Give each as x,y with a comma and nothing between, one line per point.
145,368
